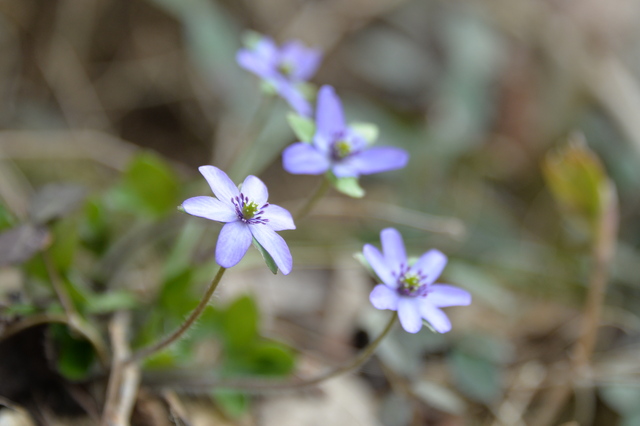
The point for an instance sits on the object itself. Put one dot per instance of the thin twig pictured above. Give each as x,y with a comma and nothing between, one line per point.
167,340
124,379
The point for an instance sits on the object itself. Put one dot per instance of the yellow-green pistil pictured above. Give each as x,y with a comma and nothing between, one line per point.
410,282
342,148
249,210
285,68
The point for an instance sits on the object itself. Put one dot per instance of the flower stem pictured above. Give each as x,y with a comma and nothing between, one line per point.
266,386
320,191
173,337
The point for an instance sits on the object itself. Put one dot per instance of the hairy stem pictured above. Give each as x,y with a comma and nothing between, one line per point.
171,338
320,191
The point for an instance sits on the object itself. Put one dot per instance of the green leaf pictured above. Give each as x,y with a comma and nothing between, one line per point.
349,186
175,297
65,243
304,128
271,264
240,324
368,131
74,356
578,183
477,377
109,302
233,404
149,187
270,359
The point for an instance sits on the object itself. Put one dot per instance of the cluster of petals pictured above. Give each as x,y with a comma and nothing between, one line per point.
338,148
283,67
411,289
246,214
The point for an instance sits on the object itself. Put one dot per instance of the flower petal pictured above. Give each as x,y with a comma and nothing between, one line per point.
220,184
379,265
431,265
329,114
233,242
393,249
382,297
376,160
254,189
409,314
279,218
303,159
275,245
256,63
209,208
443,295
294,97
304,60
436,317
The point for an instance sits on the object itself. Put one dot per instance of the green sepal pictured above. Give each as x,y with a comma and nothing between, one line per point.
347,185
181,209
250,39
271,264
303,127
368,131
308,90
429,326
268,88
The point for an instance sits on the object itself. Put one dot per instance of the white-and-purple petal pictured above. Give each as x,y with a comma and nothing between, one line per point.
379,265
255,190
304,159
443,295
377,160
329,114
435,316
275,245
209,208
233,242
409,314
393,248
382,297
304,61
279,219
220,184
431,264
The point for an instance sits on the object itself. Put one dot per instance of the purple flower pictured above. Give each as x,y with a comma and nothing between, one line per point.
285,68
410,289
247,215
339,148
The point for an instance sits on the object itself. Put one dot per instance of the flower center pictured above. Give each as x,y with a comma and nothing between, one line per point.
412,283
248,211
285,68
341,149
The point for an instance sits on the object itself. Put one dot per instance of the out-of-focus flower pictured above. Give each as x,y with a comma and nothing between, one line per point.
410,289
247,215
338,147
285,68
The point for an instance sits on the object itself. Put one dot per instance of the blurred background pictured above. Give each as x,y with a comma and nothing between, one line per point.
109,107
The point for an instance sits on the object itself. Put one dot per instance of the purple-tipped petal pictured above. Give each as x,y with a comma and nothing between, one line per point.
379,265
220,184
209,208
436,317
233,242
303,159
329,114
377,160
409,314
275,245
345,169
279,218
253,62
431,265
294,97
255,190
443,295
382,297
393,248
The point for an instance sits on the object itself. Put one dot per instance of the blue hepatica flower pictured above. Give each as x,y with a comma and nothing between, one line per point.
285,68
410,289
247,215
339,148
